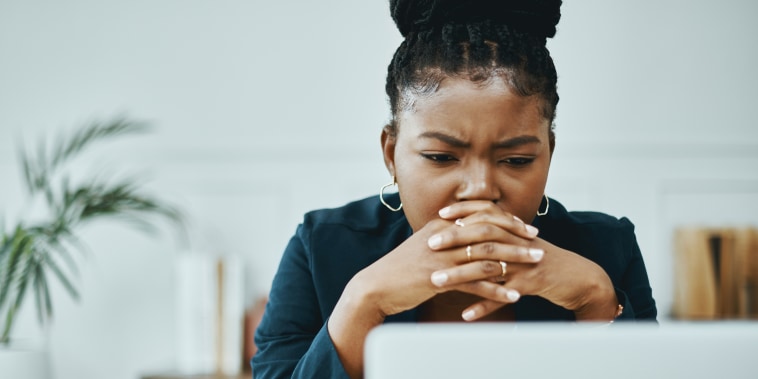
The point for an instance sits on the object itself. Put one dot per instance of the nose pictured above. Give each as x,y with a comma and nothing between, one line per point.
478,182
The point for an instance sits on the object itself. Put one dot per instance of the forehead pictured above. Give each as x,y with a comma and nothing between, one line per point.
462,105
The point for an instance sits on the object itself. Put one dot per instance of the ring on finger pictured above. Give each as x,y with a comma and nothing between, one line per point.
468,252
459,222
503,266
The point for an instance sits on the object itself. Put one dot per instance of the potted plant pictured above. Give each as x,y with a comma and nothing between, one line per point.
35,252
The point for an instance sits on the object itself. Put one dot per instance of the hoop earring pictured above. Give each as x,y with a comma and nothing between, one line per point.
381,196
547,207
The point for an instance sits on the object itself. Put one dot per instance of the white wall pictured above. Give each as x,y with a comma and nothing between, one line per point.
265,110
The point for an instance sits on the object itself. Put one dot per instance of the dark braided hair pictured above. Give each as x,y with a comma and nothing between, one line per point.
473,39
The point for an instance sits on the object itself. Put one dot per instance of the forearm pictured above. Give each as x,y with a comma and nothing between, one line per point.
352,319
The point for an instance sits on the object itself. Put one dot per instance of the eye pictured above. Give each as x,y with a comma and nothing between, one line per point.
518,161
439,158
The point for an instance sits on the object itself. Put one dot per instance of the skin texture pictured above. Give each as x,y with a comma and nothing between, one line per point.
479,153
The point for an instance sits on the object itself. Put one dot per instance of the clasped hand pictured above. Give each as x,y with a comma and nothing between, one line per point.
468,249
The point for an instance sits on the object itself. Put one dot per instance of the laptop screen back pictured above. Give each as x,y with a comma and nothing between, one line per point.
566,350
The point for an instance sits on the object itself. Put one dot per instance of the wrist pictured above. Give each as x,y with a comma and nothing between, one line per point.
358,306
352,319
601,303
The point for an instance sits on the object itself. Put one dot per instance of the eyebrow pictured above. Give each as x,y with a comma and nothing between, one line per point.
516,142
506,144
450,140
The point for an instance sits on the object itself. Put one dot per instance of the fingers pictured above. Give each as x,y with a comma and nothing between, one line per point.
472,212
495,296
455,236
490,224
495,251
481,309
475,271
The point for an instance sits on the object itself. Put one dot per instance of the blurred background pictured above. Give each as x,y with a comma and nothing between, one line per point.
265,110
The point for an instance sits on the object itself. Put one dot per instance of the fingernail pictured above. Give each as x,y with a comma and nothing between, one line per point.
532,231
444,212
536,254
512,295
435,241
468,315
439,278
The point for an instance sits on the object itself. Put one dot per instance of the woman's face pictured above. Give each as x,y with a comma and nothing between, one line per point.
470,141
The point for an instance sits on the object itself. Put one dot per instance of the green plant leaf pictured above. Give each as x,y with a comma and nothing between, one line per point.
28,173
31,253
37,172
95,131
18,244
78,245
22,282
62,278
57,245
37,284
5,247
46,293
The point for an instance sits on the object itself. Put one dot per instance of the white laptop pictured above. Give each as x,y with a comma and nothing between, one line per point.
545,350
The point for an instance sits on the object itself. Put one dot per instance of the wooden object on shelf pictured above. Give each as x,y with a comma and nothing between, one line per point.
253,317
716,273
747,244
695,282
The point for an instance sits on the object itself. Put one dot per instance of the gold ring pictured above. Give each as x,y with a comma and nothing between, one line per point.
502,266
468,252
459,222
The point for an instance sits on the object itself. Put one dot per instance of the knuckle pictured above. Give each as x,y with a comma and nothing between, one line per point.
493,291
488,217
488,249
489,306
470,286
485,306
493,208
488,229
523,243
437,223
489,267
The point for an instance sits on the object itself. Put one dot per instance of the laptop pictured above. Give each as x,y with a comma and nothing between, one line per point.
567,350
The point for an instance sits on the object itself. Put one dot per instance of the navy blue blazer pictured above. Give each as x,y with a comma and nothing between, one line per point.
332,245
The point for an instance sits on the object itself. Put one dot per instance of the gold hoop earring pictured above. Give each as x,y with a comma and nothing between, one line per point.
547,207
381,196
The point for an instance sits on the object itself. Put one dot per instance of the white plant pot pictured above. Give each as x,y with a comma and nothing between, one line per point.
24,361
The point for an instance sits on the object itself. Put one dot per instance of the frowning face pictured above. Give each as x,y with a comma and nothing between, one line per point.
470,141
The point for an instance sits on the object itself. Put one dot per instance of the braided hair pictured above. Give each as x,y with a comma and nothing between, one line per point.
474,39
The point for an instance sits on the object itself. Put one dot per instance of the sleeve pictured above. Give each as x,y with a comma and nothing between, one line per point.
292,338
633,291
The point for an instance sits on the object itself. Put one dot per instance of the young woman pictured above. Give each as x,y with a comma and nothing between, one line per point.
470,235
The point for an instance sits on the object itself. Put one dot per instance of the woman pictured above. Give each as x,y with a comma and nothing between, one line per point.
470,236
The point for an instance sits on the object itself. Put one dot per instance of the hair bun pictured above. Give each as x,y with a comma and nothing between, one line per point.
536,17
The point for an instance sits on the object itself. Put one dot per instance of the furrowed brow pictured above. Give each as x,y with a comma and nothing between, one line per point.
450,140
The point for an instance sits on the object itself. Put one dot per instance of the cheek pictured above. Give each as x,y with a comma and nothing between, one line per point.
526,194
421,202
422,192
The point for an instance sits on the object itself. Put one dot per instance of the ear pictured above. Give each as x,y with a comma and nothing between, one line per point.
389,140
